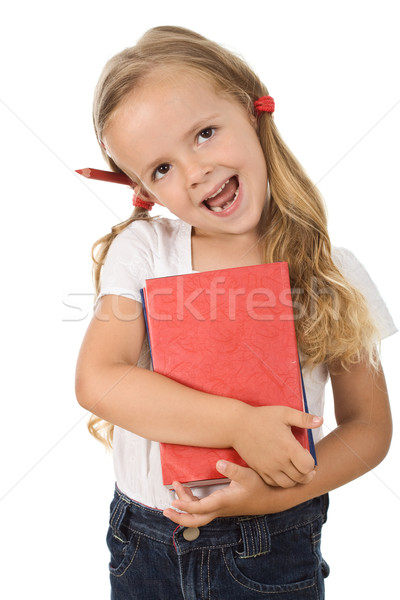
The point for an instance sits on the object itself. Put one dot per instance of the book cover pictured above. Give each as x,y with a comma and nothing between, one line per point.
228,332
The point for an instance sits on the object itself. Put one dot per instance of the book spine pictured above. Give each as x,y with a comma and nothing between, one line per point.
309,432
143,297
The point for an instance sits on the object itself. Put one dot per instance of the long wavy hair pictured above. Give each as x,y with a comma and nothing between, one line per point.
332,320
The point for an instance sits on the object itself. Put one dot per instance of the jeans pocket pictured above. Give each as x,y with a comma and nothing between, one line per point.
290,565
316,539
122,541
122,552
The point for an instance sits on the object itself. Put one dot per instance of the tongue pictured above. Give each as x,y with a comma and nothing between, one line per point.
226,195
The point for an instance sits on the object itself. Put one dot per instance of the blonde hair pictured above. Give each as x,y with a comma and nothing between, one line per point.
333,323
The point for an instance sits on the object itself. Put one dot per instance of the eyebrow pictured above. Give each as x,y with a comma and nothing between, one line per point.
201,123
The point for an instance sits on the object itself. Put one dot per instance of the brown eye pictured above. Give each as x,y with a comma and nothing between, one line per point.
160,171
206,134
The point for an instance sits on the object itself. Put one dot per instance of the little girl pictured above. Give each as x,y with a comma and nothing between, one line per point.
192,128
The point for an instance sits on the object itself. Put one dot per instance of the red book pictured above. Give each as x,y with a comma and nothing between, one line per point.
228,332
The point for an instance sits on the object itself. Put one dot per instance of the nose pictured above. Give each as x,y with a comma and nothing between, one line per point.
196,171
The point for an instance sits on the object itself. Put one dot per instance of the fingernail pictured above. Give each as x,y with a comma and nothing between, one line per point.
221,466
317,419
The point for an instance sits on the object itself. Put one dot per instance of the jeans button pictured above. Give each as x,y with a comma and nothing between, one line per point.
191,533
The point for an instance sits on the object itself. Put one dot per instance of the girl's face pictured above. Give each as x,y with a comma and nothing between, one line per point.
194,151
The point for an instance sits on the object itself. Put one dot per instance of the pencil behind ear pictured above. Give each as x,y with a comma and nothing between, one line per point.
139,195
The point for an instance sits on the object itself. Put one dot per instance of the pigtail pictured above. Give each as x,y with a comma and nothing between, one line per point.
102,245
333,322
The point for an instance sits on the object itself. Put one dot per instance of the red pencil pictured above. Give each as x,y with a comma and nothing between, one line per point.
106,176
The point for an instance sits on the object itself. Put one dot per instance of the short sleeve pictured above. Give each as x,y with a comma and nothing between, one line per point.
355,272
128,263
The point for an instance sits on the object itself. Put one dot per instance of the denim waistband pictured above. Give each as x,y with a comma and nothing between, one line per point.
255,531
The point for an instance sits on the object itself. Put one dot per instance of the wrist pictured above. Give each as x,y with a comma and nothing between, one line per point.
239,424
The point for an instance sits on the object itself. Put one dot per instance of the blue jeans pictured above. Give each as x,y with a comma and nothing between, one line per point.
271,556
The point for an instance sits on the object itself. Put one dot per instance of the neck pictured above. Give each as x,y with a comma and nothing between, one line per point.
223,252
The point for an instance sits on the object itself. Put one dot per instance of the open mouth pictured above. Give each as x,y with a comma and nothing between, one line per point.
224,197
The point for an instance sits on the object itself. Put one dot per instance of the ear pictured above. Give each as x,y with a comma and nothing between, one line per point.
142,193
253,120
255,124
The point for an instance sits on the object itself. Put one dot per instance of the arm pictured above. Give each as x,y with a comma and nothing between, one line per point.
109,384
359,443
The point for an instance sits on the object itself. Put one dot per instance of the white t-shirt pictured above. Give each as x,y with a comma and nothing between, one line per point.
162,247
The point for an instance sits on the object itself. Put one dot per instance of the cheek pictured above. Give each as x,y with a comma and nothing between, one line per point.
258,157
251,149
168,194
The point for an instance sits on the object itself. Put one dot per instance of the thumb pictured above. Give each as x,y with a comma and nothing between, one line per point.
298,418
231,470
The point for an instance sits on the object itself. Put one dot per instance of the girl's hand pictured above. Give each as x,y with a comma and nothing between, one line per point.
265,441
247,494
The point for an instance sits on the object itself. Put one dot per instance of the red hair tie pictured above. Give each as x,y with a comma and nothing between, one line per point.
116,178
264,104
140,203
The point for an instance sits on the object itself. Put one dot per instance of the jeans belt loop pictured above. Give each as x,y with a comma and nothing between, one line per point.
255,535
117,518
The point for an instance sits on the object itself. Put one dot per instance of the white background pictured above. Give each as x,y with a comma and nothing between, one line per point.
333,69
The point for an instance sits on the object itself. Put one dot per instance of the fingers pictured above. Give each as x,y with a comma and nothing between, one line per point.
187,519
183,492
197,512
232,471
241,477
220,503
298,418
288,476
302,461
246,493
298,468
188,502
282,479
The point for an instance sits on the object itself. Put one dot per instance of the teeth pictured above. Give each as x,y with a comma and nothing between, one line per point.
218,191
226,205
